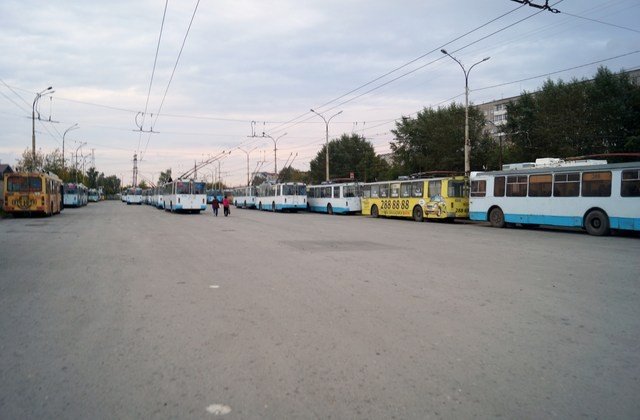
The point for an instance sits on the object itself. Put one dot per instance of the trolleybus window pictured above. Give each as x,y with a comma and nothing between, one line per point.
395,190
375,191
478,188
336,192
630,183
456,189
405,190
435,187
596,184
350,191
517,186
540,185
566,185
24,184
182,188
416,190
384,190
498,186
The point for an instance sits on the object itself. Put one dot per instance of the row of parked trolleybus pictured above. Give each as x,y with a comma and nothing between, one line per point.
588,194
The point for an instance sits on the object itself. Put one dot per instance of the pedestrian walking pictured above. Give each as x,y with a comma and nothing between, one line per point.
225,205
215,205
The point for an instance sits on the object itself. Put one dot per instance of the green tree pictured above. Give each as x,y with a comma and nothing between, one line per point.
434,141
92,177
143,184
290,174
350,153
578,118
165,176
27,162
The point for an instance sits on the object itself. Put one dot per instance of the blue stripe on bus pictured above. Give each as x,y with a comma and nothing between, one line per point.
625,223
323,209
478,215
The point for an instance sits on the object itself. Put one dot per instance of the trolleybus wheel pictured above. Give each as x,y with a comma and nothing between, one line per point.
496,218
597,223
418,216
329,209
374,211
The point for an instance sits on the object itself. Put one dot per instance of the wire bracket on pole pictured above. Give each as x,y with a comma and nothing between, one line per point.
544,6
139,124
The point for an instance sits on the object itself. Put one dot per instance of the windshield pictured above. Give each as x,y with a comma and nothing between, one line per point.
199,188
24,184
182,188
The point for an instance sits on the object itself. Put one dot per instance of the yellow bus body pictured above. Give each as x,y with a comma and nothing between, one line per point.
418,199
32,193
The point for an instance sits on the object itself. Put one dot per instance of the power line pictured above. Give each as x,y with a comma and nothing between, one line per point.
276,129
153,71
175,66
602,22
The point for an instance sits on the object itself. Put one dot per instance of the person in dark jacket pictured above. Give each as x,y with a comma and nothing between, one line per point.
215,205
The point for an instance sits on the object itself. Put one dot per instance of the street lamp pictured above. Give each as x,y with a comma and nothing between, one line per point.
275,151
467,143
47,91
73,127
247,152
76,159
326,122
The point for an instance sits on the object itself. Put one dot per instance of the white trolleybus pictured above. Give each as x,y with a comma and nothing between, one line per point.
287,196
589,194
334,198
75,195
245,197
134,196
184,196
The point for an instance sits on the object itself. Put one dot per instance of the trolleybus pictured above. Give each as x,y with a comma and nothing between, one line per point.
588,194
287,196
441,198
32,193
338,198
245,197
134,196
184,196
75,195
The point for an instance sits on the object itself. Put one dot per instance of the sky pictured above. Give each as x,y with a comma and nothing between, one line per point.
234,72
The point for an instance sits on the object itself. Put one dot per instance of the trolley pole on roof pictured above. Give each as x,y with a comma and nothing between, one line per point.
467,142
326,123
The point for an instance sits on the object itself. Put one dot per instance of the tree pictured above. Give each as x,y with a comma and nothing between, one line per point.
143,185
290,174
434,141
92,178
165,176
28,163
578,118
350,153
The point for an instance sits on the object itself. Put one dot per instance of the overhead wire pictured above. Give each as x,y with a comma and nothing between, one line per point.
173,72
153,71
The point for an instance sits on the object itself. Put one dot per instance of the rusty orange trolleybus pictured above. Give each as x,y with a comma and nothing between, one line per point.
32,193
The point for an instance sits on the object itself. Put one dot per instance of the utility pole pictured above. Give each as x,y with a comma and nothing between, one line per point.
135,170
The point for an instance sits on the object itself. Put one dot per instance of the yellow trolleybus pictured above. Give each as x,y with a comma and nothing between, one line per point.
32,193
424,198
